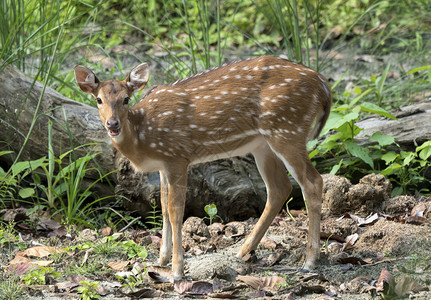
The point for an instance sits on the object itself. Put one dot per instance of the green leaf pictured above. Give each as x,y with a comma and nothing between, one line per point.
362,153
336,167
375,109
390,169
5,152
415,70
26,192
357,99
389,157
211,210
396,191
313,153
337,120
424,150
348,132
409,158
27,165
382,139
357,90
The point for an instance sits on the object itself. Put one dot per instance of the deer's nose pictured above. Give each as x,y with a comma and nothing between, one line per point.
113,123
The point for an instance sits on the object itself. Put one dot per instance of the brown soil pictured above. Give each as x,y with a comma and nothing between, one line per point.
381,248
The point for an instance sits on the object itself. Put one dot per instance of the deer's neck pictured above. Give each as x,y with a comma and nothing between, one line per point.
127,142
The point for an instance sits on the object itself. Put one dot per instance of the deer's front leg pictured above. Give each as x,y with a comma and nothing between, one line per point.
166,247
177,186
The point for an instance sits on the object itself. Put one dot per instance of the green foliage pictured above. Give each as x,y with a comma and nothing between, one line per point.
11,181
342,122
211,210
405,168
134,250
154,218
110,245
414,261
39,276
298,23
10,287
88,290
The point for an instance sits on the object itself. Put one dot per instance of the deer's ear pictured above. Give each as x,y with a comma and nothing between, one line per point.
87,81
138,78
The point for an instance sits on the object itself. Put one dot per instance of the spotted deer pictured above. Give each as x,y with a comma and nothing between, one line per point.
266,106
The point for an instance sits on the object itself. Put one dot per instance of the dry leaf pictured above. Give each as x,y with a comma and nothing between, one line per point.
270,283
193,287
224,295
20,259
48,223
416,220
407,285
144,293
42,251
118,265
335,247
42,263
66,285
268,243
105,231
272,259
273,283
21,268
351,239
418,210
386,283
354,261
253,281
331,236
77,278
58,232
156,240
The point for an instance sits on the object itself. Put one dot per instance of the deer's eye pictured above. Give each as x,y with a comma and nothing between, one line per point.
99,101
126,100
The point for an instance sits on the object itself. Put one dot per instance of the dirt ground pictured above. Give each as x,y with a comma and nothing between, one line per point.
379,246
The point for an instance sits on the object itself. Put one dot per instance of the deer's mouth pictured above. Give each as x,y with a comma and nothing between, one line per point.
114,132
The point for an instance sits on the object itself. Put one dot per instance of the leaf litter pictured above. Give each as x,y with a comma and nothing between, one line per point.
363,254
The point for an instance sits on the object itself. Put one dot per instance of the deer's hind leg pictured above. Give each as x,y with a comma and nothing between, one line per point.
294,155
278,188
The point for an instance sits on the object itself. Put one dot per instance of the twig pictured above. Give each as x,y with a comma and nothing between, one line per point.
130,224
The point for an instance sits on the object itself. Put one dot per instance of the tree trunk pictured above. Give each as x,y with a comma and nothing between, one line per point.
412,128
73,124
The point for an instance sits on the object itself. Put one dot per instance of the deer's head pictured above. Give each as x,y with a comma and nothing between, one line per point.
112,96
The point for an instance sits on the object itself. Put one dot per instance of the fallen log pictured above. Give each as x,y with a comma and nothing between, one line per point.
234,185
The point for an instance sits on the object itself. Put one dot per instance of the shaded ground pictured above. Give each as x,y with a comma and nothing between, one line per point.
381,248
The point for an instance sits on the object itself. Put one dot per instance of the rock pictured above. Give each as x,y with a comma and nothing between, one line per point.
364,198
235,228
216,229
398,205
378,182
195,226
334,199
400,239
217,265
340,196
